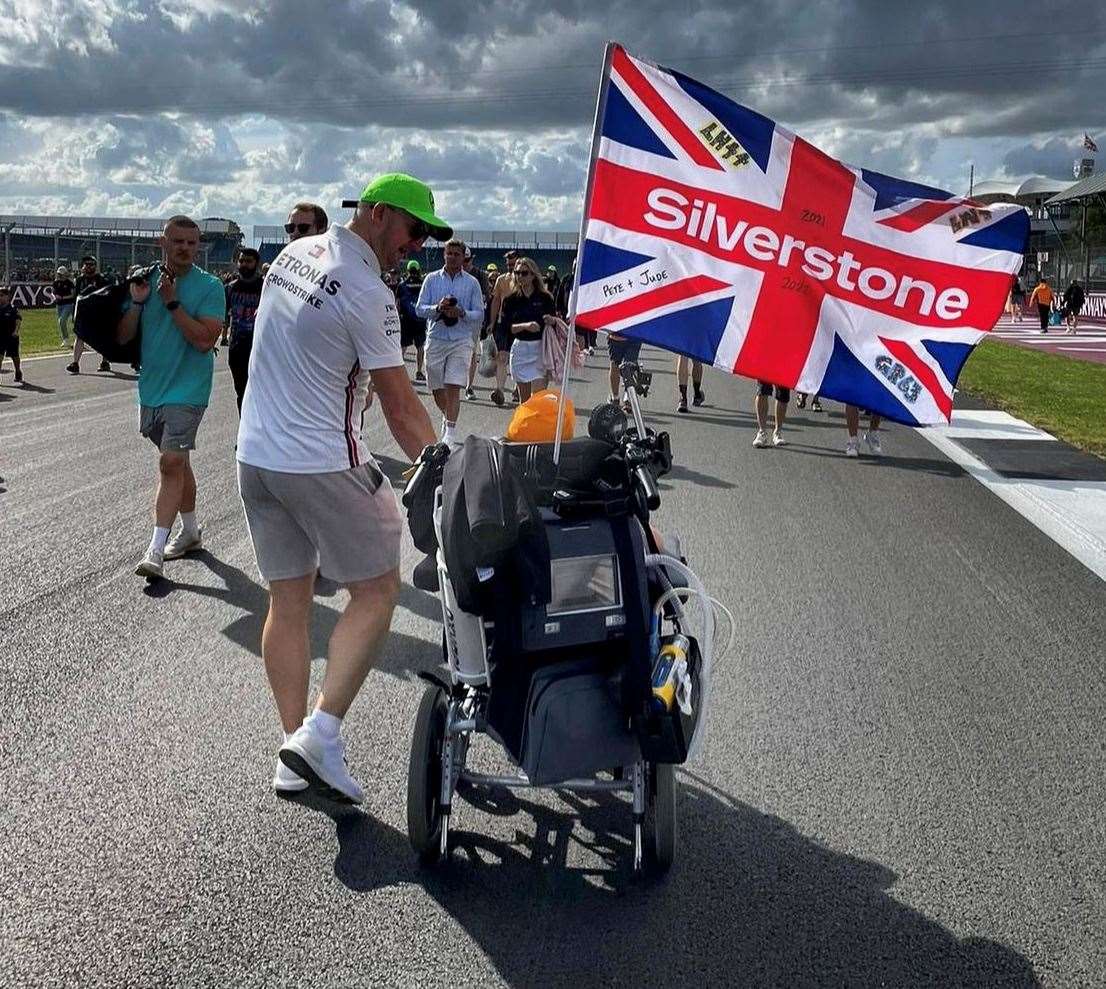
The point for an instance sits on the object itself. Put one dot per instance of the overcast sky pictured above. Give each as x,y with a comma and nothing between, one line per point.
238,109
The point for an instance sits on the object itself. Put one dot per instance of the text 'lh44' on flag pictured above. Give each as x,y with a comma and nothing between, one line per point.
714,232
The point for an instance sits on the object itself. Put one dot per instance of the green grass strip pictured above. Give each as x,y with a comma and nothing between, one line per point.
1062,396
38,333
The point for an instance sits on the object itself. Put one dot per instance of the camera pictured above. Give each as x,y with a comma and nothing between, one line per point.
449,300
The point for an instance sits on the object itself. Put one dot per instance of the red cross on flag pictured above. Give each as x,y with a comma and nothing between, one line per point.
711,231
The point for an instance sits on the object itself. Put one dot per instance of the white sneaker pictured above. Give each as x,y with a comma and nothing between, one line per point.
761,438
183,543
851,449
151,565
778,440
285,781
321,761
872,439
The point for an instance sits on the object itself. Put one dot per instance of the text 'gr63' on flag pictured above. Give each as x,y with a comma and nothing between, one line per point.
711,231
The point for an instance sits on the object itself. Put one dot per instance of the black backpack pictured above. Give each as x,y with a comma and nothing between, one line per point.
97,314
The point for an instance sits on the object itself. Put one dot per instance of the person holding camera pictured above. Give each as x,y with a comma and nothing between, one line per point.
180,311
453,306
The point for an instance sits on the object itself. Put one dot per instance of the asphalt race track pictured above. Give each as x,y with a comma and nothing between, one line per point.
903,784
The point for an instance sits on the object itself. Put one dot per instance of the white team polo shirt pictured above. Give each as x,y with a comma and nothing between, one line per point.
324,321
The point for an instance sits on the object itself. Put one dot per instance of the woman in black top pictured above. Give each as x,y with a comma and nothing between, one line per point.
526,312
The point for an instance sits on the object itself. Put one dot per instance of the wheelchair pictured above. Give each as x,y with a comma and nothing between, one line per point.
595,685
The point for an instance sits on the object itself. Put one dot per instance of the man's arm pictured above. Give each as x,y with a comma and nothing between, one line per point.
128,325
424,309
403,411
497,304
476,299
202,332
226,317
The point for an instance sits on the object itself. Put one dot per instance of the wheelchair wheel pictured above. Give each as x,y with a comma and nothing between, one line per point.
424,777
660,817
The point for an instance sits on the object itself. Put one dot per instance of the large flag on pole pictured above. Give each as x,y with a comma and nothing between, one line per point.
711,231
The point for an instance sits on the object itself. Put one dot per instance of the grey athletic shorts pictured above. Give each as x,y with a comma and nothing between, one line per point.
171,427
345,523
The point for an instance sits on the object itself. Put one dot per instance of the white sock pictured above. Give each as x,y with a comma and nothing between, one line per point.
325,724
447,431
161,537
188,523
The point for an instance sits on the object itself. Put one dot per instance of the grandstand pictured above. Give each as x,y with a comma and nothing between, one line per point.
35,245
546,247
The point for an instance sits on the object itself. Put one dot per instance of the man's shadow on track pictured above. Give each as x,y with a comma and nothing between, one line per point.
26,386
750,901
927,465
404,656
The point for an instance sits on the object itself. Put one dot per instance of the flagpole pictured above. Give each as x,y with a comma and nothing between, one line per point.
600,107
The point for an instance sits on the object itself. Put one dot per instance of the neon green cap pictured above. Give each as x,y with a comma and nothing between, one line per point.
413,265
409,194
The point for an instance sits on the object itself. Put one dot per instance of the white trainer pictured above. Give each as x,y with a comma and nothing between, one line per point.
851,449
321,761
777,439
151,565
872,439
183,543
285,781
761,438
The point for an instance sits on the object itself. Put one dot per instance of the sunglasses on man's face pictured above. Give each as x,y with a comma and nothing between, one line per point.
416,228
299,228
523,273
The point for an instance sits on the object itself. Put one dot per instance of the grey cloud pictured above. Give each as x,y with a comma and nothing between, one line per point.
491,100
494,64
1054,159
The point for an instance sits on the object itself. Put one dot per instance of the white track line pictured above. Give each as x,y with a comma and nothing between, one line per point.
1071,513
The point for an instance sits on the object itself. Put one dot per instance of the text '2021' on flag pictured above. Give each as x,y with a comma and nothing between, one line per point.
711,231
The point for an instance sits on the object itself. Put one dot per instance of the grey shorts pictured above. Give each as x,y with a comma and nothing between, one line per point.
447,362
345,523
171,428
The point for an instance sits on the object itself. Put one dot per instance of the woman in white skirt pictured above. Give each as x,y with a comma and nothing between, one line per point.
525,313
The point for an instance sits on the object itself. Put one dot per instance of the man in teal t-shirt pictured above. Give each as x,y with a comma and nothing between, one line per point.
180,311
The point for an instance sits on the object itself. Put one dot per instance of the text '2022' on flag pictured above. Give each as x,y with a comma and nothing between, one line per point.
711,231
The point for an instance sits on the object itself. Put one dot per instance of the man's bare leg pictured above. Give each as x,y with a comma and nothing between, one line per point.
286,647
356,641
172,471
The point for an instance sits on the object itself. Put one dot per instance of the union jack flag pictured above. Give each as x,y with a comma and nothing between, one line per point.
711,231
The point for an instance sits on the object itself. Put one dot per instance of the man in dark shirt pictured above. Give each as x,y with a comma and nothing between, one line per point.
412,330
10,319
243,296
65,295
88,280
1074,298
552,280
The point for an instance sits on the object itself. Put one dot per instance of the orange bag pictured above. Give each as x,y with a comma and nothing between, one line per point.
535,420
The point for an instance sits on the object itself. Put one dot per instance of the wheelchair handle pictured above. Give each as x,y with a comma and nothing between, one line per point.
644,477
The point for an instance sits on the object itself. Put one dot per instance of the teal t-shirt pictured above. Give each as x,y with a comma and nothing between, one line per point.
173,371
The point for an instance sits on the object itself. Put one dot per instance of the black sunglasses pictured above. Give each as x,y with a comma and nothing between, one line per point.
416,229
300,228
